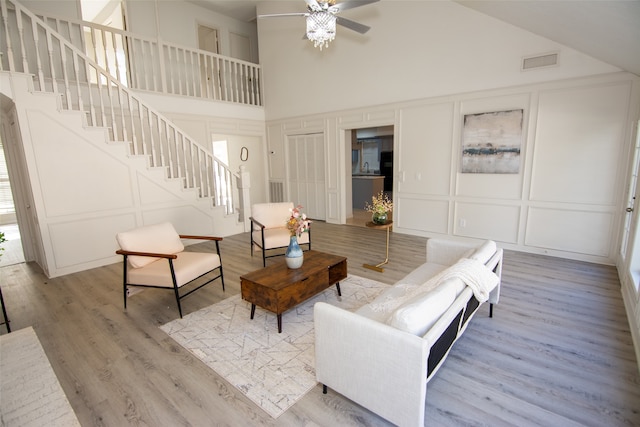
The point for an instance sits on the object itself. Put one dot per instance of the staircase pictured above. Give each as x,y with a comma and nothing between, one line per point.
169,175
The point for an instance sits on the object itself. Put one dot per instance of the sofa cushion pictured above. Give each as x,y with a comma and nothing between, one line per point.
159,238
418,315
391,298
422,274
484,252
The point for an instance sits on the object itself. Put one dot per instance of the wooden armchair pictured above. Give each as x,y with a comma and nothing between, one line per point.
269,230
154,257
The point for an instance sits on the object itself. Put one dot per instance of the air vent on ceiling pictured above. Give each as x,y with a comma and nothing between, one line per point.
539,61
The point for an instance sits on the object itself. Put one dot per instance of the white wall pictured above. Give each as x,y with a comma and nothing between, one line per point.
177,22
172,21
68,9
566,198
85,188
201,119
415,50
421,68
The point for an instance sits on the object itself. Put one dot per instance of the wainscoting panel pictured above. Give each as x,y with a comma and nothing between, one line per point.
570,230
384,116
579,147
350,119
487,221
186,219
430,216
424,150
66,163
88,240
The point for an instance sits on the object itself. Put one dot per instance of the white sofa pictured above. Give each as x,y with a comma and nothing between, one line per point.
383,355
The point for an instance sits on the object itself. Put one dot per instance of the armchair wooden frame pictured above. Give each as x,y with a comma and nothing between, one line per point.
262,245
170,258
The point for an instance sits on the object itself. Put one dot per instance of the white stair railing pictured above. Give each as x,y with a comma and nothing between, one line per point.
30,46
144,63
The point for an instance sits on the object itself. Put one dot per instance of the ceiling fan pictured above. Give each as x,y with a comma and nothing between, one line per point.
322,18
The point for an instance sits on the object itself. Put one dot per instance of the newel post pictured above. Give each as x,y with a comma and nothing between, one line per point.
244,187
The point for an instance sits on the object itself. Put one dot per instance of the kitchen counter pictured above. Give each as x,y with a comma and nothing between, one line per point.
363,187
367,176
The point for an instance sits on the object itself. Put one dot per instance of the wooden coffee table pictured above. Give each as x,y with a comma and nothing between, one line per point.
277,288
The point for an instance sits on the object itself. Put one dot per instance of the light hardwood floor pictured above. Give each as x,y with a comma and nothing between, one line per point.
557,352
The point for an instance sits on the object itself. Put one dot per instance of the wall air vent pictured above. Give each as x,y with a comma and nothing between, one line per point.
276,191
539,61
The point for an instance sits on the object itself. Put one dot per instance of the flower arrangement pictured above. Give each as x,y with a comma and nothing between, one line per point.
380,204
298,222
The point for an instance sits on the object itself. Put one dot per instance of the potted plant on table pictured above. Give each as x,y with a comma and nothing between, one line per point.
380,207
297,224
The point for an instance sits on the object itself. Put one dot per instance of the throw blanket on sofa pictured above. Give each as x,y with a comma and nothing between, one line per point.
473,273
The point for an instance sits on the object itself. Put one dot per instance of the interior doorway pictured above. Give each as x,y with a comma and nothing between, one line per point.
208,39
12,252
371,169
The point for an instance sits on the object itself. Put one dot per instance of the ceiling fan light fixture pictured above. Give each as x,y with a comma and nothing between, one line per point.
321,28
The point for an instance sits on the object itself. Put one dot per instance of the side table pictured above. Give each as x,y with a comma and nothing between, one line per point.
386,226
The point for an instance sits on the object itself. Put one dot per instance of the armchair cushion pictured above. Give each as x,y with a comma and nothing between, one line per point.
272,215
158,238
278,237
188,266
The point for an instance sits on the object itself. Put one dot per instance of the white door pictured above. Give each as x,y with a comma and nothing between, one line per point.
208,39
306,174
209,73
21,189
630,243
240,47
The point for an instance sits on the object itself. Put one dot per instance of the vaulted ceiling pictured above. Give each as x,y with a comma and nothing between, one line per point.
608,30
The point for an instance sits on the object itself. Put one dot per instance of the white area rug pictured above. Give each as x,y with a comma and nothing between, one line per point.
30,394
273,370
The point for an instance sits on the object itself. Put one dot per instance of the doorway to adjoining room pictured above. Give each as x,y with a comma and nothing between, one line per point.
371,169
12,245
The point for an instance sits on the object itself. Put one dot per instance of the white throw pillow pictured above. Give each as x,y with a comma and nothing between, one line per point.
421,313
158,238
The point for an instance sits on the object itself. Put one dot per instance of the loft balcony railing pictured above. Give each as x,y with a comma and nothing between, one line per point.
145,63
58,66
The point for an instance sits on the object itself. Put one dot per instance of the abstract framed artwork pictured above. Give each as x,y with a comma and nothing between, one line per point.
491,142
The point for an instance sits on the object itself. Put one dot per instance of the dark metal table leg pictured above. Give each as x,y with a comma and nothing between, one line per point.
4,313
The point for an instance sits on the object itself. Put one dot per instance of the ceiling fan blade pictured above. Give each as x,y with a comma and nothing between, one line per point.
277,15
350,4
352,25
